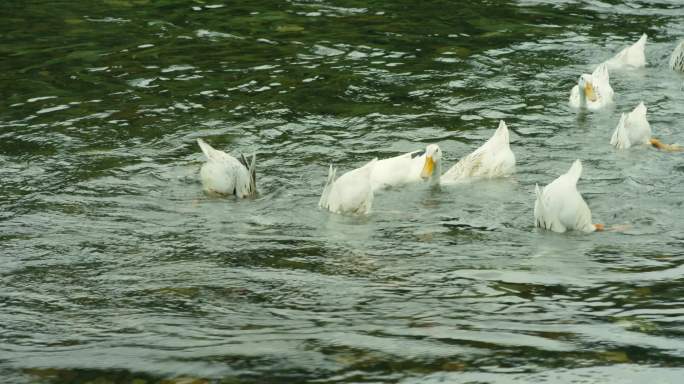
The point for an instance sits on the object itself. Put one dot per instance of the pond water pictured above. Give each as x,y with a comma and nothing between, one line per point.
117,268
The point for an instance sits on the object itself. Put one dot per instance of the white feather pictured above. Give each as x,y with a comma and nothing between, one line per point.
493,159
560,207
677,59
224,174
633,56
633,129
406,168
351,193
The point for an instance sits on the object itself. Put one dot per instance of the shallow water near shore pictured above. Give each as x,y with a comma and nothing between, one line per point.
117,267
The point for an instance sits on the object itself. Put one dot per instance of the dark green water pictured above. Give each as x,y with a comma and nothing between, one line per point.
116,268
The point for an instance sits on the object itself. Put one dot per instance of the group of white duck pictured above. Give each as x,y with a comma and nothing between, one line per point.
558,207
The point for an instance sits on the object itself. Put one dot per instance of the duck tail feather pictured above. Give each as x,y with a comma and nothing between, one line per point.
600,74
620,138
252,174
642,41
323,202
575,170
207,149
502,132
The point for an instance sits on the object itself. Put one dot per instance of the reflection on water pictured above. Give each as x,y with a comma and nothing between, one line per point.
118,269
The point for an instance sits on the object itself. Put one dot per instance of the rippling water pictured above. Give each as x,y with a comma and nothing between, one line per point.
117,268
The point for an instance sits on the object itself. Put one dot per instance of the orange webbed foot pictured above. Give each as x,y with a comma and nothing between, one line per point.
665,147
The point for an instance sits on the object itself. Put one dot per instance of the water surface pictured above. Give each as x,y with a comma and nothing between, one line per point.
116,267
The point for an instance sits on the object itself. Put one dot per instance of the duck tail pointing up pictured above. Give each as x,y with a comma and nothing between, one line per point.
323,202
537,191
620,138
600,75
251,168
642,41
575,170
539,209
640,110
206,148
502,132
677,59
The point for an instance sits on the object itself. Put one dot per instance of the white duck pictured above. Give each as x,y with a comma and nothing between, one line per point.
596,92
677,60
560,207
408,168
630,57
351,193
493,159
223,174
634,129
